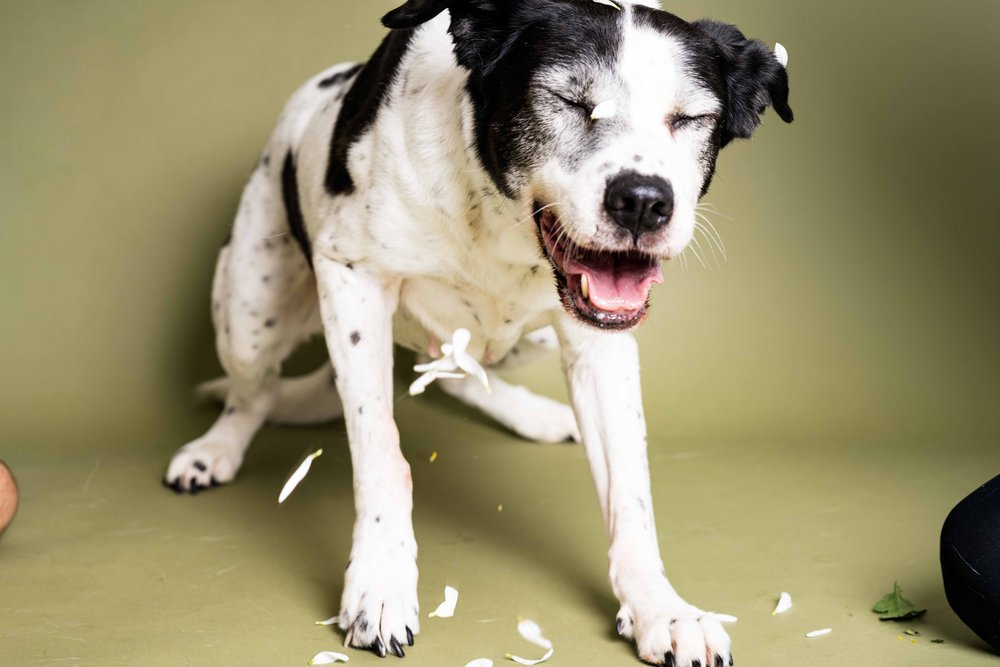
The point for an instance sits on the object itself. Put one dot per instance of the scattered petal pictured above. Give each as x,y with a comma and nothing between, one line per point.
819,633
722,618
447,608
454,365
298,476
781,54
525,661
532,632
912,633
328,658
434,457
606,109
784,604
330,621
500,508
609,3
481,662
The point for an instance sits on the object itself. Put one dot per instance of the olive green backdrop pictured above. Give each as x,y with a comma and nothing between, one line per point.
818,398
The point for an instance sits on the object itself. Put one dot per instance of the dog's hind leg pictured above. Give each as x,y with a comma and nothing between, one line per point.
301,400
263,305
531,416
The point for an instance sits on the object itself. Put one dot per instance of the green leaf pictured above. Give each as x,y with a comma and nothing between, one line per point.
894,607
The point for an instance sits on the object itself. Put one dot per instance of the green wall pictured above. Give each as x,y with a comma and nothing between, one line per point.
858,299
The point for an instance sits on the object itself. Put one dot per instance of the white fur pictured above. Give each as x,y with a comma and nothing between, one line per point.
426,245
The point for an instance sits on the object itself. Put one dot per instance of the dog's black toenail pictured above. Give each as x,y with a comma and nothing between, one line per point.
199,466
668,660
395,647
379,647
409,636
719,662
621,626
696,663
214,482
730,660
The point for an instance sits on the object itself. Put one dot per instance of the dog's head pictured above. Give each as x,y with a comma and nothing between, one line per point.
606,118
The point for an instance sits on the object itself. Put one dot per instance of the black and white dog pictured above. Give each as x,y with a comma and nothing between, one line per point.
516,168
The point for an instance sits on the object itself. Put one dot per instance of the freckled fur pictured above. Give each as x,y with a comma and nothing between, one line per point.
408,185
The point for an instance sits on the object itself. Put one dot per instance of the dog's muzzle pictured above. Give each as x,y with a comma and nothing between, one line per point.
608,289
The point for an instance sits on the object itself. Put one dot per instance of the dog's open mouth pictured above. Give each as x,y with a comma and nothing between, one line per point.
605,288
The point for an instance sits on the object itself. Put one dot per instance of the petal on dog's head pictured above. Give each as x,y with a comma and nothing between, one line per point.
781,53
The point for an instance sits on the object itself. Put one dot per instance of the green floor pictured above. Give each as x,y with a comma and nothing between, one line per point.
105,567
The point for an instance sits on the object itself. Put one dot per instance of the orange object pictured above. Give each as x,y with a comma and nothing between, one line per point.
8,497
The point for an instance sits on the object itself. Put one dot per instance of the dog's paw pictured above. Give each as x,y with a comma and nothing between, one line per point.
676,634
545,420
379,609
203,464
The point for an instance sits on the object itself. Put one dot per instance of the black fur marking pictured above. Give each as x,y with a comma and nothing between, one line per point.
270,322
368,93
378,518
504,46
293,209
200,466
355,338
228,239
340,77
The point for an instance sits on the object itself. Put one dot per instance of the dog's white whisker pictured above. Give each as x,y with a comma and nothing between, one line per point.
695,247
710,240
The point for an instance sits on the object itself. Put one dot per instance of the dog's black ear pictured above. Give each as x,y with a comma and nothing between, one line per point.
755,79
413,13
477,26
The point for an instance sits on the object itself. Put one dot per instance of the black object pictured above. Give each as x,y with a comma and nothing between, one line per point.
970,561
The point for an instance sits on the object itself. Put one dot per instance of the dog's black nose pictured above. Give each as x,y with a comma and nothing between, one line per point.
639,203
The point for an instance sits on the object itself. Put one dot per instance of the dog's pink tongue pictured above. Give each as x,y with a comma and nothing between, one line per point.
619,284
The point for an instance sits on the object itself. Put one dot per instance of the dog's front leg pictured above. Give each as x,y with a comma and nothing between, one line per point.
602,371
379,608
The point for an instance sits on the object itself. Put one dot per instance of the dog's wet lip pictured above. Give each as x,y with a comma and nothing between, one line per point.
608,288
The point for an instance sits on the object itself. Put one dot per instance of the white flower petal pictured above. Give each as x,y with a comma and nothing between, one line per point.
297,476
722,618
784,604
532,632
330,621
481,662
525,661
471,366
819,633
609,3
781,54
328,658
606,109
460,341
447,608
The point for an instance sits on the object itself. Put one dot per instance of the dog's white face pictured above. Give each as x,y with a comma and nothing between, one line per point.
607,122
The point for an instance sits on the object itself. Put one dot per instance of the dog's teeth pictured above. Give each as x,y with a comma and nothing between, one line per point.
585,286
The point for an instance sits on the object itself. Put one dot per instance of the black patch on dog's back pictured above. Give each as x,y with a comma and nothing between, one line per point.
340,77
362,102
293,209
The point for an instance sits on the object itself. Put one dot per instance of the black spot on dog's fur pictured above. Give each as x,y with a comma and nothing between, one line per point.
293,209
355,338
340,77
270,322
361,104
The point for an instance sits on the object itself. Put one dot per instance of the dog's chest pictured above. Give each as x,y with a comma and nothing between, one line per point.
497,313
